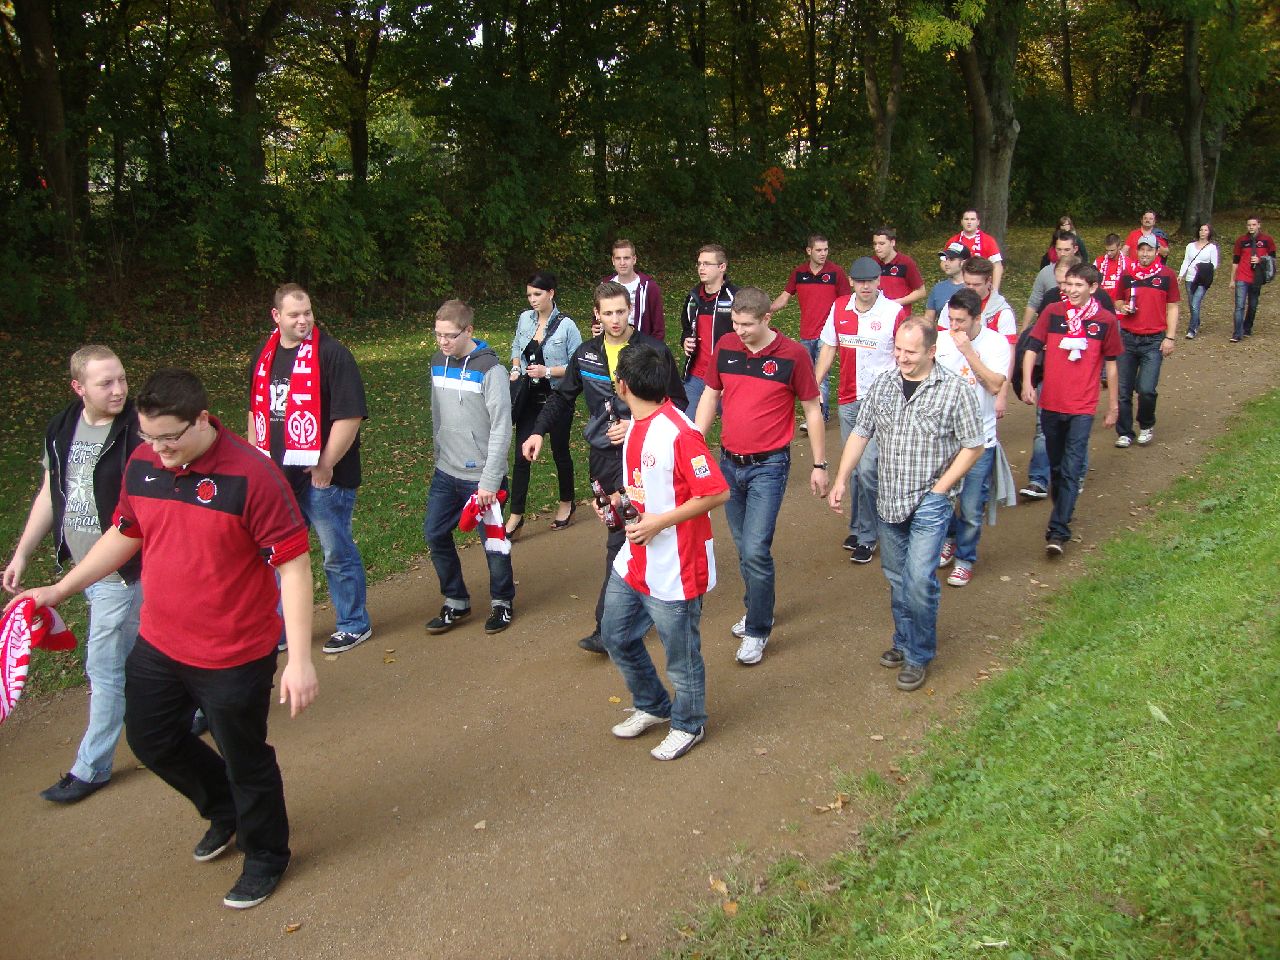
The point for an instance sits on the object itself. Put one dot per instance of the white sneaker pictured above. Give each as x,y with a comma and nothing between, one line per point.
751,650
1123,442
1145,437
676,744
637,724
739,629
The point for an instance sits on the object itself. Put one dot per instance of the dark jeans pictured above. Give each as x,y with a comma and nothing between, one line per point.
1066,440
445,500
1138,369
242,786
606,467
560,455
1246,308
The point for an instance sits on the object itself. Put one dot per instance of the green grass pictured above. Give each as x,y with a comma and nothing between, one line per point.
393,353
1116,794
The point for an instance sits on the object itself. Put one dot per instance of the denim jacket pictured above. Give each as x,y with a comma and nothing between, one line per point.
558,343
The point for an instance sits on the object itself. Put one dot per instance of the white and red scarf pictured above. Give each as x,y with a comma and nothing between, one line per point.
23,628
301,409
1110,277
490,518
1077,318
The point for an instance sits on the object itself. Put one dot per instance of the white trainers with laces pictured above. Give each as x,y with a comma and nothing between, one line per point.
676,744
637,724
739,629
751,650
1145,437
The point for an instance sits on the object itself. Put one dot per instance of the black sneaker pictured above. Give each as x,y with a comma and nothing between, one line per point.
892,658
850,542
592,644
342,641
499,618
1034,491
250,891
199,723
862,553
910,677
1053,546
71,789
216,839
448,617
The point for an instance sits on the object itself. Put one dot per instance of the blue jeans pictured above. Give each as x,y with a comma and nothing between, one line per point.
1246,308
628,616
1195,295
755,496
445,500
813,347
1138,368
966,521
693,387
865,482
329,511
1066,437
909,557
113,627
238,784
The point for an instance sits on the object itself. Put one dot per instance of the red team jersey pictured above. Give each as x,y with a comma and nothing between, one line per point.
816,292
760,392
1111,271
899,277
1149,290
1072,386
665,462
979,245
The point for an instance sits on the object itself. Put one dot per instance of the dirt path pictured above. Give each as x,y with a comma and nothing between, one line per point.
394,770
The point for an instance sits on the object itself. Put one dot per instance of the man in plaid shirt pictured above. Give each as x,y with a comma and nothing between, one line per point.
928,426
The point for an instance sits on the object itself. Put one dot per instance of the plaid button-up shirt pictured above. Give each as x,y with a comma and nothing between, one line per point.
917,438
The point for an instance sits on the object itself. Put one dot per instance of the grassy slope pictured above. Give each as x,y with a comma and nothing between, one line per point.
1115,795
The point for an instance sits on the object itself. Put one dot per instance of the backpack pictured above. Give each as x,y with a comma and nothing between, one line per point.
1265,270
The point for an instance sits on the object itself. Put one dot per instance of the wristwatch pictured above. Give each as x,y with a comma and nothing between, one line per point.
820,466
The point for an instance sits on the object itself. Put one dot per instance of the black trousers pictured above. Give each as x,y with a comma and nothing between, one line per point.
240,786
560,455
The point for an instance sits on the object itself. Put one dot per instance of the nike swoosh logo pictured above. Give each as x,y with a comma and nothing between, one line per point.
150,478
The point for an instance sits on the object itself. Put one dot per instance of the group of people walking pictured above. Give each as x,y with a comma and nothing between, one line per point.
192,544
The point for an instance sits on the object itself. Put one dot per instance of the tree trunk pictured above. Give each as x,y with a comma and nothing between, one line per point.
1068,82
44,90
1194,211
246,39
883,108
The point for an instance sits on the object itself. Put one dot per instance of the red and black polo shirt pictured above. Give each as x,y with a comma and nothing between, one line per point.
760,391
816,293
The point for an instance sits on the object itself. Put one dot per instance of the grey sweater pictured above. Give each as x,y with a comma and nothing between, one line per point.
471,416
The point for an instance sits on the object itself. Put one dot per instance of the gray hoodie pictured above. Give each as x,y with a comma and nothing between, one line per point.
471,416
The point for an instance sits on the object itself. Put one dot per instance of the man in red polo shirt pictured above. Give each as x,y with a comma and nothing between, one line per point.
1148,307
816,284
1147,225
1246,255
761,374
212,517
1077,337
900,278
980,244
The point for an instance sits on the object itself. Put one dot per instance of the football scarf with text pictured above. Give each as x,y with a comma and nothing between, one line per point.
301,408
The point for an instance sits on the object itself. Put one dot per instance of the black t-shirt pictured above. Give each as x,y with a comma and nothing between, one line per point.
909,387
341,397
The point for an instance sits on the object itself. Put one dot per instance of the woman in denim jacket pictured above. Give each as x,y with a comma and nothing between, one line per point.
545,340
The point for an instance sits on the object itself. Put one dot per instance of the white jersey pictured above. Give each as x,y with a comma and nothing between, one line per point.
864,341
994,352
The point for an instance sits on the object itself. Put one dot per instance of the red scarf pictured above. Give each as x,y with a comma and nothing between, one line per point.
1111,278
1076,319
302,408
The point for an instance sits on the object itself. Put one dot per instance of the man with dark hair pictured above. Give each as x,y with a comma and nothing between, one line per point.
211,517
1112,265
761,374
306,405
1250,248
1148,309
817,284
929,428
900,279
980,357
1066,244
707,316
950,259
643,291
667,563
980,244
1147,226
470,434
86,447
591,373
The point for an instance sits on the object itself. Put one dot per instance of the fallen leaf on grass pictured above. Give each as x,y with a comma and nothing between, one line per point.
718,885
686,931
1005,579
839,803
388,659
730,907
390,650
292,927
877,737
622,937
1158,713
615,699
481,825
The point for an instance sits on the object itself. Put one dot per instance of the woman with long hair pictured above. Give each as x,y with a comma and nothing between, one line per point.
544,341
1198,266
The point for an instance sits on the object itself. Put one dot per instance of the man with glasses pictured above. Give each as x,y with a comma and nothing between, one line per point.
86,447
306,405
707,316
211,517
471,433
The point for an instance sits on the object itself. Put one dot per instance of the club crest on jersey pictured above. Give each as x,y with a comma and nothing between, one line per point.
769,368
701,469
302,427
649,460
875,326
826,278
206,490
1094,329
260,428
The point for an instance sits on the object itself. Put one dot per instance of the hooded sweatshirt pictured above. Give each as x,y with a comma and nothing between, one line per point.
997,315
471,416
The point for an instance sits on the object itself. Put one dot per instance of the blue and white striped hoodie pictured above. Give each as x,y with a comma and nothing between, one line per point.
471,415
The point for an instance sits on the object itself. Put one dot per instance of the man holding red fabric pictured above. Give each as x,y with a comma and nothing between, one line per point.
306,404
1148,308
211,518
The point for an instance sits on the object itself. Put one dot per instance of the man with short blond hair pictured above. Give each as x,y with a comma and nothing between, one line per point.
643,291
86,447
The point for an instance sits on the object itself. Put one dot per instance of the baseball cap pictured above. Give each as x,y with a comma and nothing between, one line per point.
1149,239
864,268
955,251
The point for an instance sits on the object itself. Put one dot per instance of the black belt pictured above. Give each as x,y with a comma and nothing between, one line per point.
746,459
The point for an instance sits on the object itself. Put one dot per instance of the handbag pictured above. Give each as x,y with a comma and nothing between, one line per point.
1204,275
519,396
